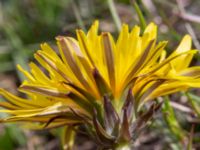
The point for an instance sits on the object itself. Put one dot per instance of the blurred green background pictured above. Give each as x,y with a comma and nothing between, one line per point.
24,24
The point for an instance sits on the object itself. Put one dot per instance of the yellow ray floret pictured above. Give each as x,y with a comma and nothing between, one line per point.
95,65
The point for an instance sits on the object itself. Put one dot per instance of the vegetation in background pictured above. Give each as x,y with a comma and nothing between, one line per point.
24,24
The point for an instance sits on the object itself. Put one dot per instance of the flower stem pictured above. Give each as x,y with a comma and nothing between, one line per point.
114,14
123,146
140,14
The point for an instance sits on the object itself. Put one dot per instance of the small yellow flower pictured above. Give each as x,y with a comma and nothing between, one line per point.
94,79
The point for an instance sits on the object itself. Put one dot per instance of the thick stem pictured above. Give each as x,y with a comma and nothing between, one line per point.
123,146
118,146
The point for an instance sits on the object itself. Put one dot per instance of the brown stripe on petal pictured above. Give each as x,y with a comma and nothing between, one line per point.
40,119
62,117
71,62
101,84
89,71
191,73
144,97
53,66
144,84
44,91
141,60
155,53
74,115
76,47
131,76
108,50
81,35
8,105
166,61
17,101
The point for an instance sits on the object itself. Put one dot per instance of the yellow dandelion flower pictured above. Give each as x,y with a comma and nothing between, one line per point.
101,82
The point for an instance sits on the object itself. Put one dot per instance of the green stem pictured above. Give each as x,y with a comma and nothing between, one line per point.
78,16
123,146
114,14
140,15
193,103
